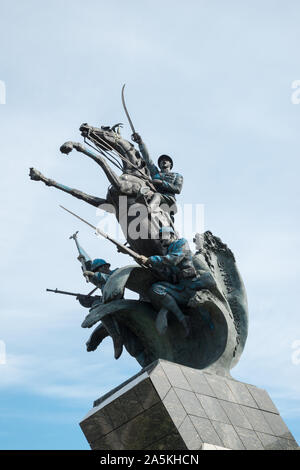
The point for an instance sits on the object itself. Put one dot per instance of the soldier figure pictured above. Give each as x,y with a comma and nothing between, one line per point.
182,280
167,183
99,274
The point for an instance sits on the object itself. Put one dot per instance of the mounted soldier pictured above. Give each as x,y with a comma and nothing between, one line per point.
126,194
167,183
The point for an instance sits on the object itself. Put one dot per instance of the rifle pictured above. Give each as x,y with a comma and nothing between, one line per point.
85,300
122,248
56,291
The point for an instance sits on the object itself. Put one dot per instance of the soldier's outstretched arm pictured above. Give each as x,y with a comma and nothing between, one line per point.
92,277
87,300
146,156
175,255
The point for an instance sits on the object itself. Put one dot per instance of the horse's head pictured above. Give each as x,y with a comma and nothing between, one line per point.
105,137
109,138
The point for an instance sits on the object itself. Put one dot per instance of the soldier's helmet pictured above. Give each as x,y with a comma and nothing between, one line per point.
163,231
166,229
97,263
165,157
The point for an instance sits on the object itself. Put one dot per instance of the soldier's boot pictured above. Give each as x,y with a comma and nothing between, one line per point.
187,326
161,322
169,303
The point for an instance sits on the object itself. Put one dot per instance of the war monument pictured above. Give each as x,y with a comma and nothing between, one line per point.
189,326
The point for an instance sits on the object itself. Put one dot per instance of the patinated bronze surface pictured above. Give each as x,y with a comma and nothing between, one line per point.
192,306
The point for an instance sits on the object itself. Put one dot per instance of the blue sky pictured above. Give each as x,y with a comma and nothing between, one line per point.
208,82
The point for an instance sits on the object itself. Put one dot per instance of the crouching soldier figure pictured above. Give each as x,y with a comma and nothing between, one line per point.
181,283
99,274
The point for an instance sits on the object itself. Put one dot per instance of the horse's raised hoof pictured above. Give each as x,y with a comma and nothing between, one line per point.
90,346
35,174
67,147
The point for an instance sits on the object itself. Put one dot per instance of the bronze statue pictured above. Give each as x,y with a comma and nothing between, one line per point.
192,306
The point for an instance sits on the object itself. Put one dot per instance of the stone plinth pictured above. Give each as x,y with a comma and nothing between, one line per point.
171,407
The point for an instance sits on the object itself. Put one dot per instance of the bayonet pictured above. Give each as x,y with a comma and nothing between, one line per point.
121,248
83,256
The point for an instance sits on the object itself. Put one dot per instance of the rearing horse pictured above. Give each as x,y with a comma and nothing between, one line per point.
134,185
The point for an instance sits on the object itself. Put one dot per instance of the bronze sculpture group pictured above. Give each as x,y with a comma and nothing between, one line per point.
192,307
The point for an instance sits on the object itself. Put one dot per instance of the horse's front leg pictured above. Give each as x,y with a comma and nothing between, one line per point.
112,177
93,200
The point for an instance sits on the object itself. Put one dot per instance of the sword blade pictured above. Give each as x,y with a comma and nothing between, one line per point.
126,111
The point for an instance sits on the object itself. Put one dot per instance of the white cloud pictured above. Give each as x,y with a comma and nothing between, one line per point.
59,377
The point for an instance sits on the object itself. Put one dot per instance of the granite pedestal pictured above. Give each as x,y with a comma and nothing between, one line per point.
172,407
